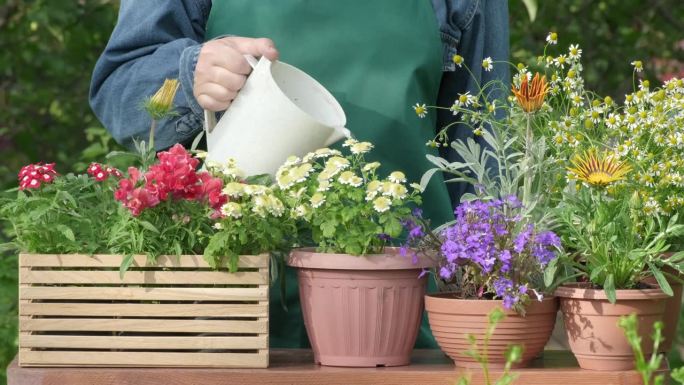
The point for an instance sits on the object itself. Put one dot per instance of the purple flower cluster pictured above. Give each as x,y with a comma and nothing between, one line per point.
491,239
415,232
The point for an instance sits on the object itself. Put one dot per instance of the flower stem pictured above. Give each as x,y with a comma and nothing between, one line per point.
527,182
153,126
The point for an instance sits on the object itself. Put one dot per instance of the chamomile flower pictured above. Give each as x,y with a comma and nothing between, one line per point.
560,61
397,177
416,187
574,52
361,148
465,100
487,64
218,226
381,204
552,38
458,60
317,200
337,163
420,109
638,65
349,142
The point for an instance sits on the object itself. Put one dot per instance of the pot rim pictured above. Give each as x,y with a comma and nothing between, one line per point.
434,301
391,259
579,290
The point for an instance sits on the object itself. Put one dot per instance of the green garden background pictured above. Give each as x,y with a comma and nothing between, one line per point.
48,50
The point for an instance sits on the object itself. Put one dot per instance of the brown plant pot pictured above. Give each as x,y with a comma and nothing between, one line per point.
360,311
452,319
591,323
673,307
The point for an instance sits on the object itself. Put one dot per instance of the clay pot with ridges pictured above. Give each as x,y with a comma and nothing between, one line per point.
452,319
360,311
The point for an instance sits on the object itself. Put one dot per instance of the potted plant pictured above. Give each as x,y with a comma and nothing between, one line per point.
128,269
362,301
491,257
615,248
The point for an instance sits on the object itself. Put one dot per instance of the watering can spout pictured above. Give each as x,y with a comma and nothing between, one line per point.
338,134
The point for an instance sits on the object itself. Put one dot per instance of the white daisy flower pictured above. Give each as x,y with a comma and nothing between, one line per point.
397,177
234,189
349,142
371,166
574,52
638,65
231,209
381,204
317,200
552,38
420,110
487,64
361,147
218,226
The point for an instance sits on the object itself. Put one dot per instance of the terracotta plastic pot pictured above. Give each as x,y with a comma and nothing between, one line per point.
591,323
360,311
452,319
673,305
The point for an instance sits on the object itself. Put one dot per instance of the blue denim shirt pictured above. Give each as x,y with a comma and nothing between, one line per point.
158,39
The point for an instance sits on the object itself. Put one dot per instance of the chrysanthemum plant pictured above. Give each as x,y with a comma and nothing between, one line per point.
341,198
252,221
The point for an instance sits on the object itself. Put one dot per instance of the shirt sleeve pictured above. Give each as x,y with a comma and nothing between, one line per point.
152,40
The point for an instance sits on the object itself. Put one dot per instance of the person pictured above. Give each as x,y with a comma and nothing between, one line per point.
378,58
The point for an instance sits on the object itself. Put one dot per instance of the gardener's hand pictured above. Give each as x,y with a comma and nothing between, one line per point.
222,69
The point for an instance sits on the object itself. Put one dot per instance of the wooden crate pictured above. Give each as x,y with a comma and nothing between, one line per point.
75,310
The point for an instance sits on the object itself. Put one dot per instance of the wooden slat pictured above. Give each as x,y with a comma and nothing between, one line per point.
103,260
428,367
142,343
145,294
29,276
70,358
27,324
145,310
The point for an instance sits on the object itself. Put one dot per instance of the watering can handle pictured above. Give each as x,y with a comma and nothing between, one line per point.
209,116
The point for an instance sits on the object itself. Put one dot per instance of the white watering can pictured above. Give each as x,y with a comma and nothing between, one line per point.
280,111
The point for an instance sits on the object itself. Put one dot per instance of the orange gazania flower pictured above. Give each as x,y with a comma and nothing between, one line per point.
598,169
531,95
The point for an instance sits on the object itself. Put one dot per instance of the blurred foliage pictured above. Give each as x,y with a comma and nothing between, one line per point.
48,50
611,33
47,53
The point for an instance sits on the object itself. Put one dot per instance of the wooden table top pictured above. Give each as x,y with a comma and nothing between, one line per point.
296,367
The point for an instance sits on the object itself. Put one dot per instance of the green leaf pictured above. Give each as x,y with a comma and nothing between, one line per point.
125,264
66,231
660,278
550,272
609,288
425,179
147,225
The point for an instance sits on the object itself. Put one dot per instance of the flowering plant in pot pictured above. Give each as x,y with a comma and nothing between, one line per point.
615,248
491,257
362,301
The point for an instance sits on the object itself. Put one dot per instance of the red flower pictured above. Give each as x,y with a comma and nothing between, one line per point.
34,175
174,174
211,191
140,199
101,172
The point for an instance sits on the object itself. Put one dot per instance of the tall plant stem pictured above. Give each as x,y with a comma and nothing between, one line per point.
527,182
153,126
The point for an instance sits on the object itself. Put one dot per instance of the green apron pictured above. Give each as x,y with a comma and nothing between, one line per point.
378,58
